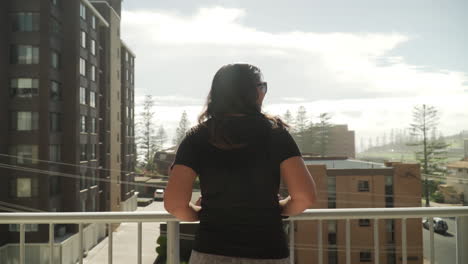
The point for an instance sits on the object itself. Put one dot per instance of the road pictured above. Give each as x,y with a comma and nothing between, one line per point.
125,242
444,245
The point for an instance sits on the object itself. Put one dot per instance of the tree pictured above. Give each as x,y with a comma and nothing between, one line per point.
288,118
184,126
302,124
146,133
161,137
431,153
323,133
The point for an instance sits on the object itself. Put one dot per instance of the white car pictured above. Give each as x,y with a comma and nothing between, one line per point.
159,194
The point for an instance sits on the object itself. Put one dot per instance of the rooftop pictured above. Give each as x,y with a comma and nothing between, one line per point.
342,163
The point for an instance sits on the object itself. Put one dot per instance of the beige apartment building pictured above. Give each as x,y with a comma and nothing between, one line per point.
344,183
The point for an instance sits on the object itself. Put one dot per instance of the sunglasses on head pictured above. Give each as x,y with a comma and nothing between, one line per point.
263,86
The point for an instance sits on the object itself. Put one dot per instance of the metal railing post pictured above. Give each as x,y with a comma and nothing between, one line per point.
139,242
320,241
404,248
110,244
431,240
80,243
348,241
173,256
51,243
462,239
22,246
291,241
376,242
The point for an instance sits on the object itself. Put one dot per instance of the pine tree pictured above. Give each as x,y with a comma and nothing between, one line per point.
184,126
146,134
161,137
431,153
288,119
301,127
323,133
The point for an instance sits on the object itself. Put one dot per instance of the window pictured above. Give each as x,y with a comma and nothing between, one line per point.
331,232
24,121
92,99
126,55
55,60
83,152
363,186
93,151
389,191
83,39
23,187
24,87
93,47
93,22
126,74
55,91
365,256
54,152
332,249
27,228
331,189
54,185
82,11
83,95
93,73
364,222
82,66
83,124
54,120
24,154
24,54
390,230
55,26
93,125
25,22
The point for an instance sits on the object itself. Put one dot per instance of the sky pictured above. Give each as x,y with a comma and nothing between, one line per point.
366,62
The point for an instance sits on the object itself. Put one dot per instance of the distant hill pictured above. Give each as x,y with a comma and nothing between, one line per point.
403,152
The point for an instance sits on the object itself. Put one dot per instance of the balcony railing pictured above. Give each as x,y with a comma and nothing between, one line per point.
461,214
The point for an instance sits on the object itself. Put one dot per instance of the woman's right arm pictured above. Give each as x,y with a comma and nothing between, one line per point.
301,186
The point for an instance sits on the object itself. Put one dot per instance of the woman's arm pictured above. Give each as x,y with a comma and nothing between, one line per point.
301,186
178,194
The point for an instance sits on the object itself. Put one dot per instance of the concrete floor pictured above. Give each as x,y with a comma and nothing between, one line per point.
125,242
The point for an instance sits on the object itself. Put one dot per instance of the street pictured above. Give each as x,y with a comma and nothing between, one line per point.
444,245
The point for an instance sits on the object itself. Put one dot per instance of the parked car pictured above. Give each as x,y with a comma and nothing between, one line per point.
440,226
159,194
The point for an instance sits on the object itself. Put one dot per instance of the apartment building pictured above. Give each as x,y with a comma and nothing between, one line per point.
67,111
344,183
340,142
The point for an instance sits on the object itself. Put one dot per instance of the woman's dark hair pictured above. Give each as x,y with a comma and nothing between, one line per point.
233,91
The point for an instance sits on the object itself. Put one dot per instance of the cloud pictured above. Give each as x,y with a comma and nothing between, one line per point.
358,77
179,54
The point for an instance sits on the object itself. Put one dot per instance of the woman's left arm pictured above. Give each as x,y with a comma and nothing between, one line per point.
178,194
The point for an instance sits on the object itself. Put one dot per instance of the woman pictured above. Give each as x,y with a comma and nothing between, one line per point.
239,154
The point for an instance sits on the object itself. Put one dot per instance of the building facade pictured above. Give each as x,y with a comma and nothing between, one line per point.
66,143
345,183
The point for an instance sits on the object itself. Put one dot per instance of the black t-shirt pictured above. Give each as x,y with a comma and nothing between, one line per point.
240,213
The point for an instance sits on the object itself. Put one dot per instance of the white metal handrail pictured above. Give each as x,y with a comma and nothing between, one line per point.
403,213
